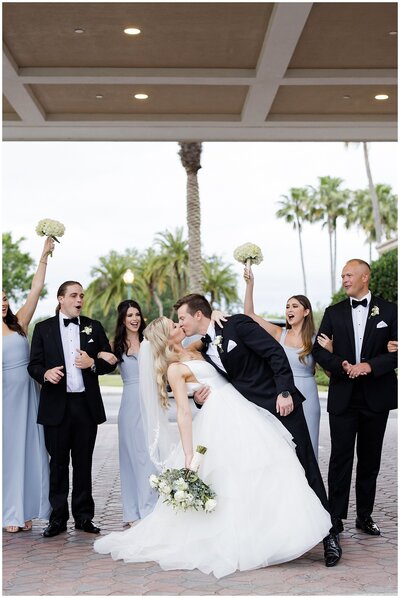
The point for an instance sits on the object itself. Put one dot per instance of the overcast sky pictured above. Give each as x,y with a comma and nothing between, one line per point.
114,195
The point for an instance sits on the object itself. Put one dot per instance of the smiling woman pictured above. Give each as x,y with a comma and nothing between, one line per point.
297,339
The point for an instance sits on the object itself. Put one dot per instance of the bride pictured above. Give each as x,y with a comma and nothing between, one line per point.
266,512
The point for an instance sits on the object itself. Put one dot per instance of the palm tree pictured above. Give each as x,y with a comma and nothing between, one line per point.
173,260
108,289
295,211
220,283
328,204
152,279
360,212
372,193
190,153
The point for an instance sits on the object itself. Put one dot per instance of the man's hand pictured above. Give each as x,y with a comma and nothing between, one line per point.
360,369
201,395
83,360
284,406
54,375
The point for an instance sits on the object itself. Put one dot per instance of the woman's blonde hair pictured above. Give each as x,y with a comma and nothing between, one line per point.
157,333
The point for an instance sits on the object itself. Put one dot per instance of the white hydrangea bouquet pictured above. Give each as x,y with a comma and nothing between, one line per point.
183,489
248,254
50,228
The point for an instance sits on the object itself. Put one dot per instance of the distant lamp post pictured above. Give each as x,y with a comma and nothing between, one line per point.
128,279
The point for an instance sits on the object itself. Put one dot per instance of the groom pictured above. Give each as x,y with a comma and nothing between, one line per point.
256,365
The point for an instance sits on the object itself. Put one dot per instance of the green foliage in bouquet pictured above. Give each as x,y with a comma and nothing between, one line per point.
184,490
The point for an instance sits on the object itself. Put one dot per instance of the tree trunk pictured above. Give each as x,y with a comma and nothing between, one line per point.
193,223
330,231
159,304
190,153
374,197
302,258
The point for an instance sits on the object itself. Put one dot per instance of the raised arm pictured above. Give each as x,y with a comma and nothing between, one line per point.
272,329
177,380
25,313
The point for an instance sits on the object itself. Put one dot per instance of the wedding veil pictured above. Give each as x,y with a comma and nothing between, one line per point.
159,433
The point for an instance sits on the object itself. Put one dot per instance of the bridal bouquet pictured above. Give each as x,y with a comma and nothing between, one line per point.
248,254
50,228
183,489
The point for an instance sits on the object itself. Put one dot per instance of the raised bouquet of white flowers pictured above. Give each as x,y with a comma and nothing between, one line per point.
50,228
183,489
248,254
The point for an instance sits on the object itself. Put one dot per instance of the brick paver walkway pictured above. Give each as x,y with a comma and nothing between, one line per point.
67,565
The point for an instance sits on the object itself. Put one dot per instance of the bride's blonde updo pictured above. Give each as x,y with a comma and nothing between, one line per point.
157,333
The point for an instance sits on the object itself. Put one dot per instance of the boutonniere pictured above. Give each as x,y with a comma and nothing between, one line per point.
374,311
87,330
217,342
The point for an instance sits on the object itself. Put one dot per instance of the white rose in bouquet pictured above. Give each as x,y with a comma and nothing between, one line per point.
50,228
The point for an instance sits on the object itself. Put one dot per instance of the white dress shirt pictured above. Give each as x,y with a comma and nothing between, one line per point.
212,350
359,315
70,336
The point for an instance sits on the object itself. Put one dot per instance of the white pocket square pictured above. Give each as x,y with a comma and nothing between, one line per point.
231,345
91,341
381,324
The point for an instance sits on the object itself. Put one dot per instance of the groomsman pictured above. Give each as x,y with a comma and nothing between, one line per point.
362,390
64,361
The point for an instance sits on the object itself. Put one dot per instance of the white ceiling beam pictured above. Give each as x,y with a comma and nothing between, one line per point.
113,76
20,96
340,77
283,32
205,131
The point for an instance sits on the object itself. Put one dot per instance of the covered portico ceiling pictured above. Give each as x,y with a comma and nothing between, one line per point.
217,71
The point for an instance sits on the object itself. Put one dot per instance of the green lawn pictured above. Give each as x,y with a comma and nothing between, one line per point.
110,380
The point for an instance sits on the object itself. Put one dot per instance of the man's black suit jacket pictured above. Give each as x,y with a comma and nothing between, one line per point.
47,352
379,387
257,365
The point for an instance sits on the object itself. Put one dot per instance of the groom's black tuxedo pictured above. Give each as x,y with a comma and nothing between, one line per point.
258,368
69,419
358,408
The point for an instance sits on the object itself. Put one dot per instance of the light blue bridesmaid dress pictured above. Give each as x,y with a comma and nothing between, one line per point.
304,380
25,459
138,498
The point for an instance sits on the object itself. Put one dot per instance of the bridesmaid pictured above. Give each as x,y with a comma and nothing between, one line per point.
138,498
25,460
297,340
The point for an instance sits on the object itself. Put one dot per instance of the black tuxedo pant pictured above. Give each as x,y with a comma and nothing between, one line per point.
73,438
359,426
297,426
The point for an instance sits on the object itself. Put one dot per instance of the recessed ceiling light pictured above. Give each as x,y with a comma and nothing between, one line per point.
79,30
346,97
141,96
99,96
381,96
132,31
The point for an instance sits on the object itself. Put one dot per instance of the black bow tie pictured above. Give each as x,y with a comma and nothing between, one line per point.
68,321
355,303
206,340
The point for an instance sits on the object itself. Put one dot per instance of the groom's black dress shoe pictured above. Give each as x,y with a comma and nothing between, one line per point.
87,526
332,550
54,528
368,525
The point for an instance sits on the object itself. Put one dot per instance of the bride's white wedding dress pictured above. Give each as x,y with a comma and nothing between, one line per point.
266,512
